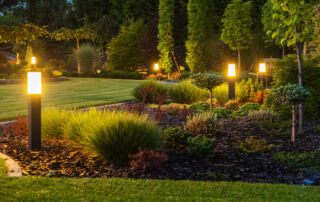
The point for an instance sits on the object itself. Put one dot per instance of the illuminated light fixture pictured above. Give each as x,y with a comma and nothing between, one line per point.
34,83
34,110
33,60
156,66
232,82
262,68
231,70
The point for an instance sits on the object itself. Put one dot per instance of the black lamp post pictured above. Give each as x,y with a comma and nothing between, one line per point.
34,108
232,81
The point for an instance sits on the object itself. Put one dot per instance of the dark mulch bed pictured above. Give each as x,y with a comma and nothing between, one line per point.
65,159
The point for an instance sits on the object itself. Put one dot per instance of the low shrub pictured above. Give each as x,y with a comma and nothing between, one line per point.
18,128
232,104
203,123
222,112
253,145
147,160
302,161
186,93
116,74
117,134
149,90
275,126
260,97
175,136
221,93
184,76
200,107
247,108
201,146
262,115
4,76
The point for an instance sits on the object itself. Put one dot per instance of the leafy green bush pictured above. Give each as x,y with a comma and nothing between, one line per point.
232,104
222,112
275,126
117,134
200,107
300,161
203,123
124,50
4,76
253,145
151,89
186,93
87,58
175,136
245,90
247,108
221,93
115,74
201,146
185,75
285,71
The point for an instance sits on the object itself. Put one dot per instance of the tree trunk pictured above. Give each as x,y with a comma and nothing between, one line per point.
78,58
239,61
17,54
299,48
176,62
211,107
283,51
305,48
293,133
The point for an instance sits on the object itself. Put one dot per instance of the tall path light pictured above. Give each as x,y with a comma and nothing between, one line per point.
262,70
232,80
34,109
156,67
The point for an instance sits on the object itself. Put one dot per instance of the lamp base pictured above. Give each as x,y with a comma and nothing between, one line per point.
34,122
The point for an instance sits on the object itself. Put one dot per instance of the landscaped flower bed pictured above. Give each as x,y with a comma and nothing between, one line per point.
244,150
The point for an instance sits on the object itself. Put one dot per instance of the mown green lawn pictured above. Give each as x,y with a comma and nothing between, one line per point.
3,168
53,189
78,92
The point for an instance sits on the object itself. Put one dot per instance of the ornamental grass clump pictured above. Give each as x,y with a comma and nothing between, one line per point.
186,93
291,94
115,135
53,122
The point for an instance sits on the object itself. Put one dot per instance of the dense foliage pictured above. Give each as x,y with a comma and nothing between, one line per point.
124,50
165,35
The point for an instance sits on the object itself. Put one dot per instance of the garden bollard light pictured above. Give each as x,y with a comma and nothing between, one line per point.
34,110
232,81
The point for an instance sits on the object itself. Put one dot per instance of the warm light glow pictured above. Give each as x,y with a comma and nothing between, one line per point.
34,83
156,66
33,60
262,68
231,70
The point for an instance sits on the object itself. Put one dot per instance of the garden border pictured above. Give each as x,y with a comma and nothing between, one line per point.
14,169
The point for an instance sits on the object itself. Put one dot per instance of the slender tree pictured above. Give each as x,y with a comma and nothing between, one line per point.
200,35
70,34
237,27
165,35
294,26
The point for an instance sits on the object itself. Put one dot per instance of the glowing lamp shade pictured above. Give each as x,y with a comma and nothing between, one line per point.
156,66
231,70
34,83
262,68
33,60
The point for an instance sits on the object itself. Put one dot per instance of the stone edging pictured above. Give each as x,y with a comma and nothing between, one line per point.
14,169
